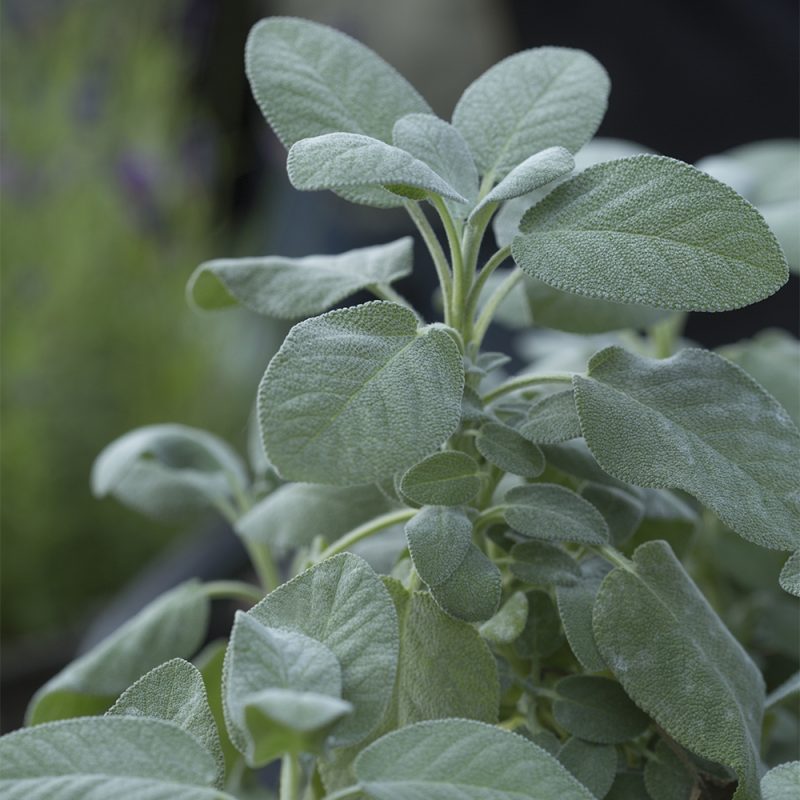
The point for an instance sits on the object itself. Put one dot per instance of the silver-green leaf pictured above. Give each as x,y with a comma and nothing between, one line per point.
699,423
790,574
168,471
651,230
344,605
535,171
544,564
175,692
509,622
678,662
455,759
782,782
438,540
357,394
506,449
552,419
295,288
347,160
472,592
529,101
450,478
172,626
553,513
439,145
131,757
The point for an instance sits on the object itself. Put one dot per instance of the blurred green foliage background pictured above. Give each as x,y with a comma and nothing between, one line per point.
108,170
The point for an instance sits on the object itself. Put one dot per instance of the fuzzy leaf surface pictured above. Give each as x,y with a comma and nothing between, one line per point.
552,513
355,395
544,564
790,574
699,423
344,605
782,782
172,626
622,512
651,230
450,478
281,691
309,79
509,622
295,513
457,759
679,663
295,288
100,757
535,171
438,540
597,709
594,765
175,692
439,145
575,604
347,160
167,471
505,448
529,101
552,419
472,592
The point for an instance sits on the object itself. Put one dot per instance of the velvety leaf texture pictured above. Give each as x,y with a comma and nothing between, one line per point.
552,513
679,663
345,160
175,692
594,765
172,626
357,394
505,448
552,419
652,230
97,749
438,540
294,288
457,759
167,471
699,423
445,479
544,564
344,605
790,574
530,101
508,623
782,782
296,513
439,145
597,709
309,79
472,592
666,776
622,512
535,171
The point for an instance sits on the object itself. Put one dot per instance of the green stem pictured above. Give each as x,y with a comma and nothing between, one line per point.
613,556
264,564
491,265
523,382
385,292
458,299
367,529
233,590
437,254
492,304
291,775
664,334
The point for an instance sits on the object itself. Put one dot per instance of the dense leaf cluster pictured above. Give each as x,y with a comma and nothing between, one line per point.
488,598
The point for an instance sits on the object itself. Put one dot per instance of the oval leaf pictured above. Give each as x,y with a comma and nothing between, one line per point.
344,605
346,160
453,759
450,478
782,782
552,419
472,592
597,709
167,471
175,692
699,423
355,395
552,513
535,171
172,626
529,101
506,449
544,564
509,622
439,145
594,765
438,540
652,230
295,288
677,661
